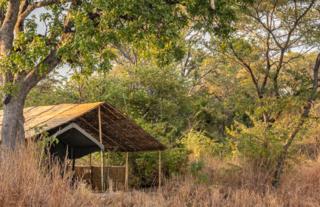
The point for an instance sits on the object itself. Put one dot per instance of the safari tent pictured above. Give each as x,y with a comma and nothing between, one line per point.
86,128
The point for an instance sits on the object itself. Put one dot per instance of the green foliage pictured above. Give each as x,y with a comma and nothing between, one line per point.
196,167
191,76
199,144
174,161
144,166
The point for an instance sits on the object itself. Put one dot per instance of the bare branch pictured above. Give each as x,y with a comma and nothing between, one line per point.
36,5
50,63
287,44
269,30
26,10
296,23
126,53
249,69
22,8
268,68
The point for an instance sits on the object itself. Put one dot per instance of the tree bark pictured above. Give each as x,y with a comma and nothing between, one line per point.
12,125
13,122
12,132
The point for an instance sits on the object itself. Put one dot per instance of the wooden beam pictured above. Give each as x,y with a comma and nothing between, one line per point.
81,130
97,131
101,152
115,115
129,140
126,184
160,174
124,117
122,136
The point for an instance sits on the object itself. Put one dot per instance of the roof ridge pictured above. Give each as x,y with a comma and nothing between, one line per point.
97,102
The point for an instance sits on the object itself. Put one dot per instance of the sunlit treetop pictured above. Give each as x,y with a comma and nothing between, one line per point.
87,33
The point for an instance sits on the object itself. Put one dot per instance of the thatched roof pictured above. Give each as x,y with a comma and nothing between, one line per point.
119,133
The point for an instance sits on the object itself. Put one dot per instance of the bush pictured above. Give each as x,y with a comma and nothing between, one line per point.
144,166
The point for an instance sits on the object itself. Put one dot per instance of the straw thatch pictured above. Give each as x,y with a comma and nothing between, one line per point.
119,133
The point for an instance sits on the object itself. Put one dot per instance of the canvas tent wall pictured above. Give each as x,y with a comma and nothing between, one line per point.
80,142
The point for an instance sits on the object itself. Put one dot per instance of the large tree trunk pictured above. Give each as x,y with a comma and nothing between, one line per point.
13,122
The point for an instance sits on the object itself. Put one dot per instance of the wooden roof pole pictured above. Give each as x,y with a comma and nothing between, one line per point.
97,130
101,152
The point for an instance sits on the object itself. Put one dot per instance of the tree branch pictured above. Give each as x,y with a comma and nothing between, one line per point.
266,76
36,75
19,25
2,15
6,31
32,7
249,69
28,8
11,16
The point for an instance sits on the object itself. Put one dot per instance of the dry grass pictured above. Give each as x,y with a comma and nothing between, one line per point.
189,194
24,183
300,188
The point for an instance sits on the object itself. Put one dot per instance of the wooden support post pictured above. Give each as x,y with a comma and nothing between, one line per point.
108,171
101,152
159,175
126,184
73,160
73,166
90,164
102,171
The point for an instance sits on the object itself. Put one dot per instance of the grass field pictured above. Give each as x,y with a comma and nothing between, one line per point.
24,183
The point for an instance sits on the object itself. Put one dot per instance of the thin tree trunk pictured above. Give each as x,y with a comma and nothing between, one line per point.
284,153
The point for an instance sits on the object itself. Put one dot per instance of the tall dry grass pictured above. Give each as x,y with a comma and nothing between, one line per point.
25,182
241,188
189,194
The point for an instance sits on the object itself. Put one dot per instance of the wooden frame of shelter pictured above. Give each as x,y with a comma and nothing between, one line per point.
86,128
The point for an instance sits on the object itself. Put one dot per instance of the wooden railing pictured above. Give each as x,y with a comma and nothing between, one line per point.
114,177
